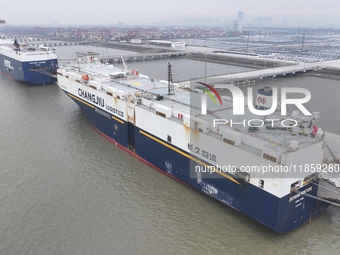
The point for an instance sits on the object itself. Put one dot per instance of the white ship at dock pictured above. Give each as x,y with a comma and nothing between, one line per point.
25,63
161,124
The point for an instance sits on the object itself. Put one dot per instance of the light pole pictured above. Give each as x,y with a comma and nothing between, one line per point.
248,42
205,67
212,69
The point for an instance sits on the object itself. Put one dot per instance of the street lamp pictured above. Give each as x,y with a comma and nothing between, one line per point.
248,42
212,69
205,67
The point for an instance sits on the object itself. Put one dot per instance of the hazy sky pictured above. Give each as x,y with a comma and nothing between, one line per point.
144,12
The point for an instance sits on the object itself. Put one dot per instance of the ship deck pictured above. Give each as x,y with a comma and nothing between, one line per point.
25,50
188,102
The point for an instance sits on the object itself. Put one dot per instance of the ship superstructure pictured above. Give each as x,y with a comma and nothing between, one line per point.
258,169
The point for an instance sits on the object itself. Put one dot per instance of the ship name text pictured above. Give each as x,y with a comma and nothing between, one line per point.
91,97
201,152
99,101
114,110
300,194
8,64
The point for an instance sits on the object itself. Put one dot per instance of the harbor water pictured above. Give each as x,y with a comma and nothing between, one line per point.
65,189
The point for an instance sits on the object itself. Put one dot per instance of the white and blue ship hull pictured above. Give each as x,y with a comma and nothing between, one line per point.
161,125
279,214
37,69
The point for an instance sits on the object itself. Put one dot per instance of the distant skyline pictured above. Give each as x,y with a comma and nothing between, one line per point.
175,12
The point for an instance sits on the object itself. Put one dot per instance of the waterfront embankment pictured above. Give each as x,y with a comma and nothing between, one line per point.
328,72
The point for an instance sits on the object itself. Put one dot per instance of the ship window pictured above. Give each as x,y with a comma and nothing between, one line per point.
243,175
160,114
261,183
228,141
169,139
309,179
295,186
271,158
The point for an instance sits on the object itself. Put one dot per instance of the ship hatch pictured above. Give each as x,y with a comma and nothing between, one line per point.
131,137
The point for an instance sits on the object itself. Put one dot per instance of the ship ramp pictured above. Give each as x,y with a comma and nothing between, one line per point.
329,185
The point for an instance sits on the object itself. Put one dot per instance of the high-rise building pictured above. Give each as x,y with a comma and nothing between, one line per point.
240,16
239,21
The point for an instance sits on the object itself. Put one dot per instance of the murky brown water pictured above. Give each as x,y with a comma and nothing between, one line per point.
64,189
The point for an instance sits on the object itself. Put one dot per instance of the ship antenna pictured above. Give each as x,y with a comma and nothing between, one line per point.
125,66
171,90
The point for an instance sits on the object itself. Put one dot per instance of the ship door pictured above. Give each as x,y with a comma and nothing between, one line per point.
131,137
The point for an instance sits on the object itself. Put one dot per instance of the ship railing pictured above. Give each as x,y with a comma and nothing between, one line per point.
37,54
251,149
286,146
243,146
147,108
215,135
177,120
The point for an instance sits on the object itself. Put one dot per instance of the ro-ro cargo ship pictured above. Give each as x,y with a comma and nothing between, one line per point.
161,124
24,63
